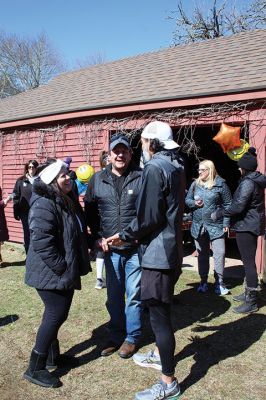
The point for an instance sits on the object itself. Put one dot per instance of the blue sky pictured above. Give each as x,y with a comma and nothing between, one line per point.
82,28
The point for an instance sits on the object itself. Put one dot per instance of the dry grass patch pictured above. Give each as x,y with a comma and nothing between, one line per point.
220,355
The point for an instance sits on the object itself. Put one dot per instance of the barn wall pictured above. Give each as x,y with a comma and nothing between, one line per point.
18,147
83,142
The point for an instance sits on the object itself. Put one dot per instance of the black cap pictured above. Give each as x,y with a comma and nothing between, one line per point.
119,139
249,160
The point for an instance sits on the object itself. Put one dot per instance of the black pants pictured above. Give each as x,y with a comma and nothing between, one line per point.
247,245
57,304
160,318
26,230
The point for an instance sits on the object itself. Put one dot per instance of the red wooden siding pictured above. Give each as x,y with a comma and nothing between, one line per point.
84,141
17,148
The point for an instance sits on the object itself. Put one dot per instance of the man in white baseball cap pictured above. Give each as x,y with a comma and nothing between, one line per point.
161,131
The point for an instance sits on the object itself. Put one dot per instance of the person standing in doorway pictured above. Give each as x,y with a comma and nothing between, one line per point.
158,228
247,213
110,206
205,195
21,200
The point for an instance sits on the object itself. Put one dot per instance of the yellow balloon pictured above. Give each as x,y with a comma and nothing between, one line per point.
238,152
84,173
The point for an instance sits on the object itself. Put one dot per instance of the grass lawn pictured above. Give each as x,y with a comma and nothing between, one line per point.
220,355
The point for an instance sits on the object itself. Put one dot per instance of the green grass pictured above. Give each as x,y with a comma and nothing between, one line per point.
220,355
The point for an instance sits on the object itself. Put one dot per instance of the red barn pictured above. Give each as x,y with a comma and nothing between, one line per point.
193,87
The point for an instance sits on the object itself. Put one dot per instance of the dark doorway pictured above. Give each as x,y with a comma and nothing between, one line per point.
210,150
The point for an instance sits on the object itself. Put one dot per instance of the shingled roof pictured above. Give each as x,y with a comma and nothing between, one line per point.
225,65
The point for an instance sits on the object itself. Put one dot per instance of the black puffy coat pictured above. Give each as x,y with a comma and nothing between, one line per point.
21,200
247,210
58,253
106,213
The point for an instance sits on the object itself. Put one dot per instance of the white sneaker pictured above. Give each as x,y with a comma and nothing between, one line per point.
222,290
148,360
160,391
100,284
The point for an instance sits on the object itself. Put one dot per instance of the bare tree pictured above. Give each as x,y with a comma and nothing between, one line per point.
256,14
221,19
26,63
93,59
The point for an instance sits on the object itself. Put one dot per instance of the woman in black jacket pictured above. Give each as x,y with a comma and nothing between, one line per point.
21,200
247,212
57,257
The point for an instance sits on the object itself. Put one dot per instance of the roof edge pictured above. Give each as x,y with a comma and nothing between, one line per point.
143,105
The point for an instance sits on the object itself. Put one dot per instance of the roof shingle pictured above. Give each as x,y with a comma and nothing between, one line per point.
224,65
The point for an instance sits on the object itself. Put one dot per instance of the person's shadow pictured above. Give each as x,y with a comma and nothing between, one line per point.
6,264
189,306
8,319
72,359
228,340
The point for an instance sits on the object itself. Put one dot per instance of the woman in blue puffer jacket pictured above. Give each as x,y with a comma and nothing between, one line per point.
207,193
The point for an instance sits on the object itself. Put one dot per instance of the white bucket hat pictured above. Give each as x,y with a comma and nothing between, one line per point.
162,131
48,174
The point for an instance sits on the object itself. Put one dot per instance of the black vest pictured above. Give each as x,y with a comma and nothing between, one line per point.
116,213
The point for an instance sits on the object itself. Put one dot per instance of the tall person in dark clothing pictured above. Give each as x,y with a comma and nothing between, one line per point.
247,213
158,228
57,257
110,206
21,200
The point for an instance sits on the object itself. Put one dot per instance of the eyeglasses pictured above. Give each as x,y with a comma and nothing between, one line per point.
31,167
202,170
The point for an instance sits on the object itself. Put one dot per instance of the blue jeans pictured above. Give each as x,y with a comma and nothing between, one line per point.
123,273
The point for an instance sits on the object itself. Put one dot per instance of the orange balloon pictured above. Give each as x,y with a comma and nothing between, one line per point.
228,137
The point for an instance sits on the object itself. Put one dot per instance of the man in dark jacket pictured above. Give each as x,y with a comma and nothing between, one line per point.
110,206
158,228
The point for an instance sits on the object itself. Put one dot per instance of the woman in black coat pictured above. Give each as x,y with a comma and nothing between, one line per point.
247,213
57,257
21,200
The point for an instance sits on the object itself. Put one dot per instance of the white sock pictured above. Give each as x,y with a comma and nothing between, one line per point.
99,268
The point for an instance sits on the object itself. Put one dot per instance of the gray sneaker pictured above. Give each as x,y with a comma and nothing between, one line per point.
160,391
148,360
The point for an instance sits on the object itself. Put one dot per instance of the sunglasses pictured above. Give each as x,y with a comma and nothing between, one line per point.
31,167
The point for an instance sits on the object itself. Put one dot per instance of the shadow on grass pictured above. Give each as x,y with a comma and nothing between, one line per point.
8,319
189,307
6,264
96,339
228,340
